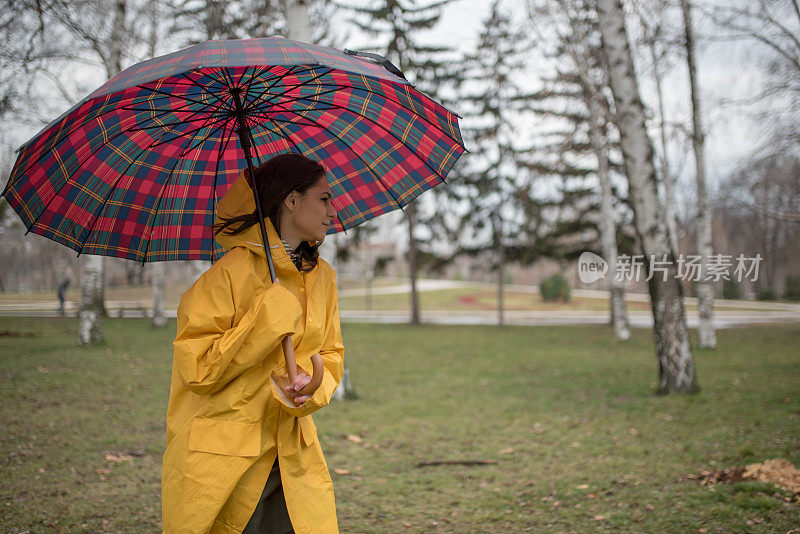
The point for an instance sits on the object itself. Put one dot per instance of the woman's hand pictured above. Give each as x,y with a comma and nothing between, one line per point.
300,381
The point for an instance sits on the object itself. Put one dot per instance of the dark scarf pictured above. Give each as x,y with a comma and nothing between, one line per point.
295,257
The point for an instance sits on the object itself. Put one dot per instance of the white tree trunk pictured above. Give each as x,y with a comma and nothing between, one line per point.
90,329
608,226
345,391
673,351
666,173
498,236
411,211
705,289
157,274
298,26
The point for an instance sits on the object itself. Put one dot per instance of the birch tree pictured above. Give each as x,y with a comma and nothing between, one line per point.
704,288
673,350
566,32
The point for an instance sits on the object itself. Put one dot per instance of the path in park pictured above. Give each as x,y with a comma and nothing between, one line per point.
762,312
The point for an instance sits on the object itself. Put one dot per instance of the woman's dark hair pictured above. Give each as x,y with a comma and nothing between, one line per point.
276,178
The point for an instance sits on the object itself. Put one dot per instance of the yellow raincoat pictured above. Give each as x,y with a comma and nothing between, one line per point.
225,422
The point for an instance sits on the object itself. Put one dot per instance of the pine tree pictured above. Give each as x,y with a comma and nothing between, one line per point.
489,181
398,25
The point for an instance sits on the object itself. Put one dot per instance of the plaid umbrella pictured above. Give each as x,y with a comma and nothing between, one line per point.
136,168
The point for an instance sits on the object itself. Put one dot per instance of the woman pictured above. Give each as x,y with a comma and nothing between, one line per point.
238,446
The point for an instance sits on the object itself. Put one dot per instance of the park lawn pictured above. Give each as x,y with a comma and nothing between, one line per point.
482,298
567,414
477,299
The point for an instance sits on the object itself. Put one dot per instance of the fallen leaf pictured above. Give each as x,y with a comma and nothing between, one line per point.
353,437
342,471
556,504
575,444
598,517
633,432
582,486
506,451
111,457
649,507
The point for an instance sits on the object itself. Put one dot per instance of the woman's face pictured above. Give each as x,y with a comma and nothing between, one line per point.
310,214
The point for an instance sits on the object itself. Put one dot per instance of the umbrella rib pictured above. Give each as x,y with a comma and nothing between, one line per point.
208,91
181,97
293,100
186,121
241,76
336,106
226,79
69,176
411,111
160,110
220,151
181,108
262,115
192,132
67,132
256,74
105,200
358,156
153,214
274,80
291,87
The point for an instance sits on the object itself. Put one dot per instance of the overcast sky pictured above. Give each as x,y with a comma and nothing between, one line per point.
725,70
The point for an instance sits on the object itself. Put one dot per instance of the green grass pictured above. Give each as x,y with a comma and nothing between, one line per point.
587,437
480,299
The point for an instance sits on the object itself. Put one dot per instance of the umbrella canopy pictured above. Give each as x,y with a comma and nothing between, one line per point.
136,169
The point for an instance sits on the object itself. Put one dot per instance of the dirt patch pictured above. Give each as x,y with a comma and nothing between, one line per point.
779,472
12,333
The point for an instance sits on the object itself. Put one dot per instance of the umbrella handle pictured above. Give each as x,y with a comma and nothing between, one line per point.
316,376
291,362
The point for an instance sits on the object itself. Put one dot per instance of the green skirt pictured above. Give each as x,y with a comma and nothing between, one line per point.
270,515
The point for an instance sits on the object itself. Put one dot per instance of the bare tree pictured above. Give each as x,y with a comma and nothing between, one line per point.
658,45
673,351
774,28
704,287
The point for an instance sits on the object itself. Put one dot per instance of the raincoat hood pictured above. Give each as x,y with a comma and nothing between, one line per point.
238,200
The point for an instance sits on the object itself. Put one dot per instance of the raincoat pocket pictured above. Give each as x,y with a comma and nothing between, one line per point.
231,438
308,430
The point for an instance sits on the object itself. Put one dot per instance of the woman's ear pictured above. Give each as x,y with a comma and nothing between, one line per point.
290,200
